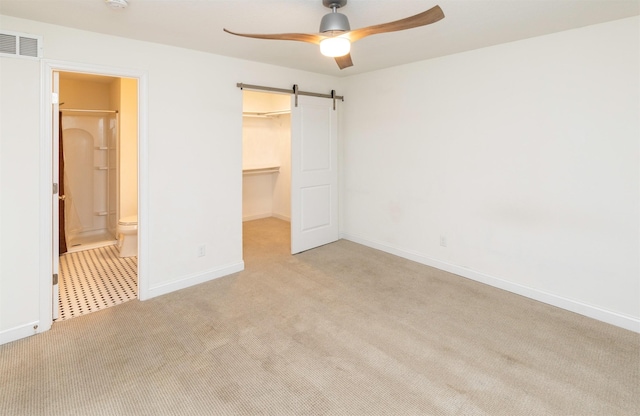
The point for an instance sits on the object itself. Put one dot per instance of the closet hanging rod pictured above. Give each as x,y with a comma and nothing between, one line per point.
293,90
88,111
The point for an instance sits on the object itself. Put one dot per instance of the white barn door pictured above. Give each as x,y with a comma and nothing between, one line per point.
314,173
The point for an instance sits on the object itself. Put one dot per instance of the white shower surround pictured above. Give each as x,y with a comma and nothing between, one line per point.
90,152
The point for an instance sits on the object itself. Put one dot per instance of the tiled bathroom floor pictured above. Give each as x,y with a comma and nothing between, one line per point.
93,280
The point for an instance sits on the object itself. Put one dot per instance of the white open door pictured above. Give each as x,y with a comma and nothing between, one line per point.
314,173
55,134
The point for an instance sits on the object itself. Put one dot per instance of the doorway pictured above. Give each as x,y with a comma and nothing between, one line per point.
97,145
266,163
308,161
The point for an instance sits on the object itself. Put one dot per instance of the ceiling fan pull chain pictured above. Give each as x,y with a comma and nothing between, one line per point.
295,92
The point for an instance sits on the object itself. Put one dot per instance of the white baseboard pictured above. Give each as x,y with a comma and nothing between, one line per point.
610,317
22,331
256,216
282,217
265,215
195,279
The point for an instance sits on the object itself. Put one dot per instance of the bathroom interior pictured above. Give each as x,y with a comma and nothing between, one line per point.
266,158
99,203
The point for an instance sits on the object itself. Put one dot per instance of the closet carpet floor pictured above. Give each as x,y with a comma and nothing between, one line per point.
93,280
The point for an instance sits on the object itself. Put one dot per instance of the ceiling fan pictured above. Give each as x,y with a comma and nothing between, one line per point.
336,36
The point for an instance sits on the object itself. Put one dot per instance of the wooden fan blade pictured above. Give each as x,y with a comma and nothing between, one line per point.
301,37
344,61
425,18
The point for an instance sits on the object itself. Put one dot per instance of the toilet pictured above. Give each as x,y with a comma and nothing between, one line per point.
128,236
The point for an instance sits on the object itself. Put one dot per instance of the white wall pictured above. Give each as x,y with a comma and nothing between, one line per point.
124,99
128,147
282,185
524,157
85,94
19,231
194,128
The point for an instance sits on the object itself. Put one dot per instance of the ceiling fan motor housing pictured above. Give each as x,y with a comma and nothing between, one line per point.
334,22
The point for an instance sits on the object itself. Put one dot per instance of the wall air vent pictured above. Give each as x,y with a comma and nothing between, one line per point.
20,45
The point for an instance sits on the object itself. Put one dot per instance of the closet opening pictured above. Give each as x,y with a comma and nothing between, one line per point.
266,169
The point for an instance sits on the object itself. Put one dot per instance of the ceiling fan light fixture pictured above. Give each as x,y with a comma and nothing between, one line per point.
335,47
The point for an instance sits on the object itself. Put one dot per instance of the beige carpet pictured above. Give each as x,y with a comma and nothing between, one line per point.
339,330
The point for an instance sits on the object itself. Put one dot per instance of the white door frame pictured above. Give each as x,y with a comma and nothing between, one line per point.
55,203
47,179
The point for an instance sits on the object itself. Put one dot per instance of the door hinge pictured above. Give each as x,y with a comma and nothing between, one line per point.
55,279
54,98
55,188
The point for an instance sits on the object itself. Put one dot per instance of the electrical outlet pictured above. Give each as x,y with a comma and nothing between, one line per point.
202,251
443,241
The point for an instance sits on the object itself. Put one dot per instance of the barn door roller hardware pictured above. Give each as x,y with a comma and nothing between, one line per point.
295,91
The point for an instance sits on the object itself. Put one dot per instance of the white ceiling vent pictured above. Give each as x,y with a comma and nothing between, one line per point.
20,45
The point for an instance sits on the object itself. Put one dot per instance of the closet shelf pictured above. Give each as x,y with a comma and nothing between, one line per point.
260,170
265,114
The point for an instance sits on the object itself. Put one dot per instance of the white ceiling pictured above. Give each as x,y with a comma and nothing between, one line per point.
197,24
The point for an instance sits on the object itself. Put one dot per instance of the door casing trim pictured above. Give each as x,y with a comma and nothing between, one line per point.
46,178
